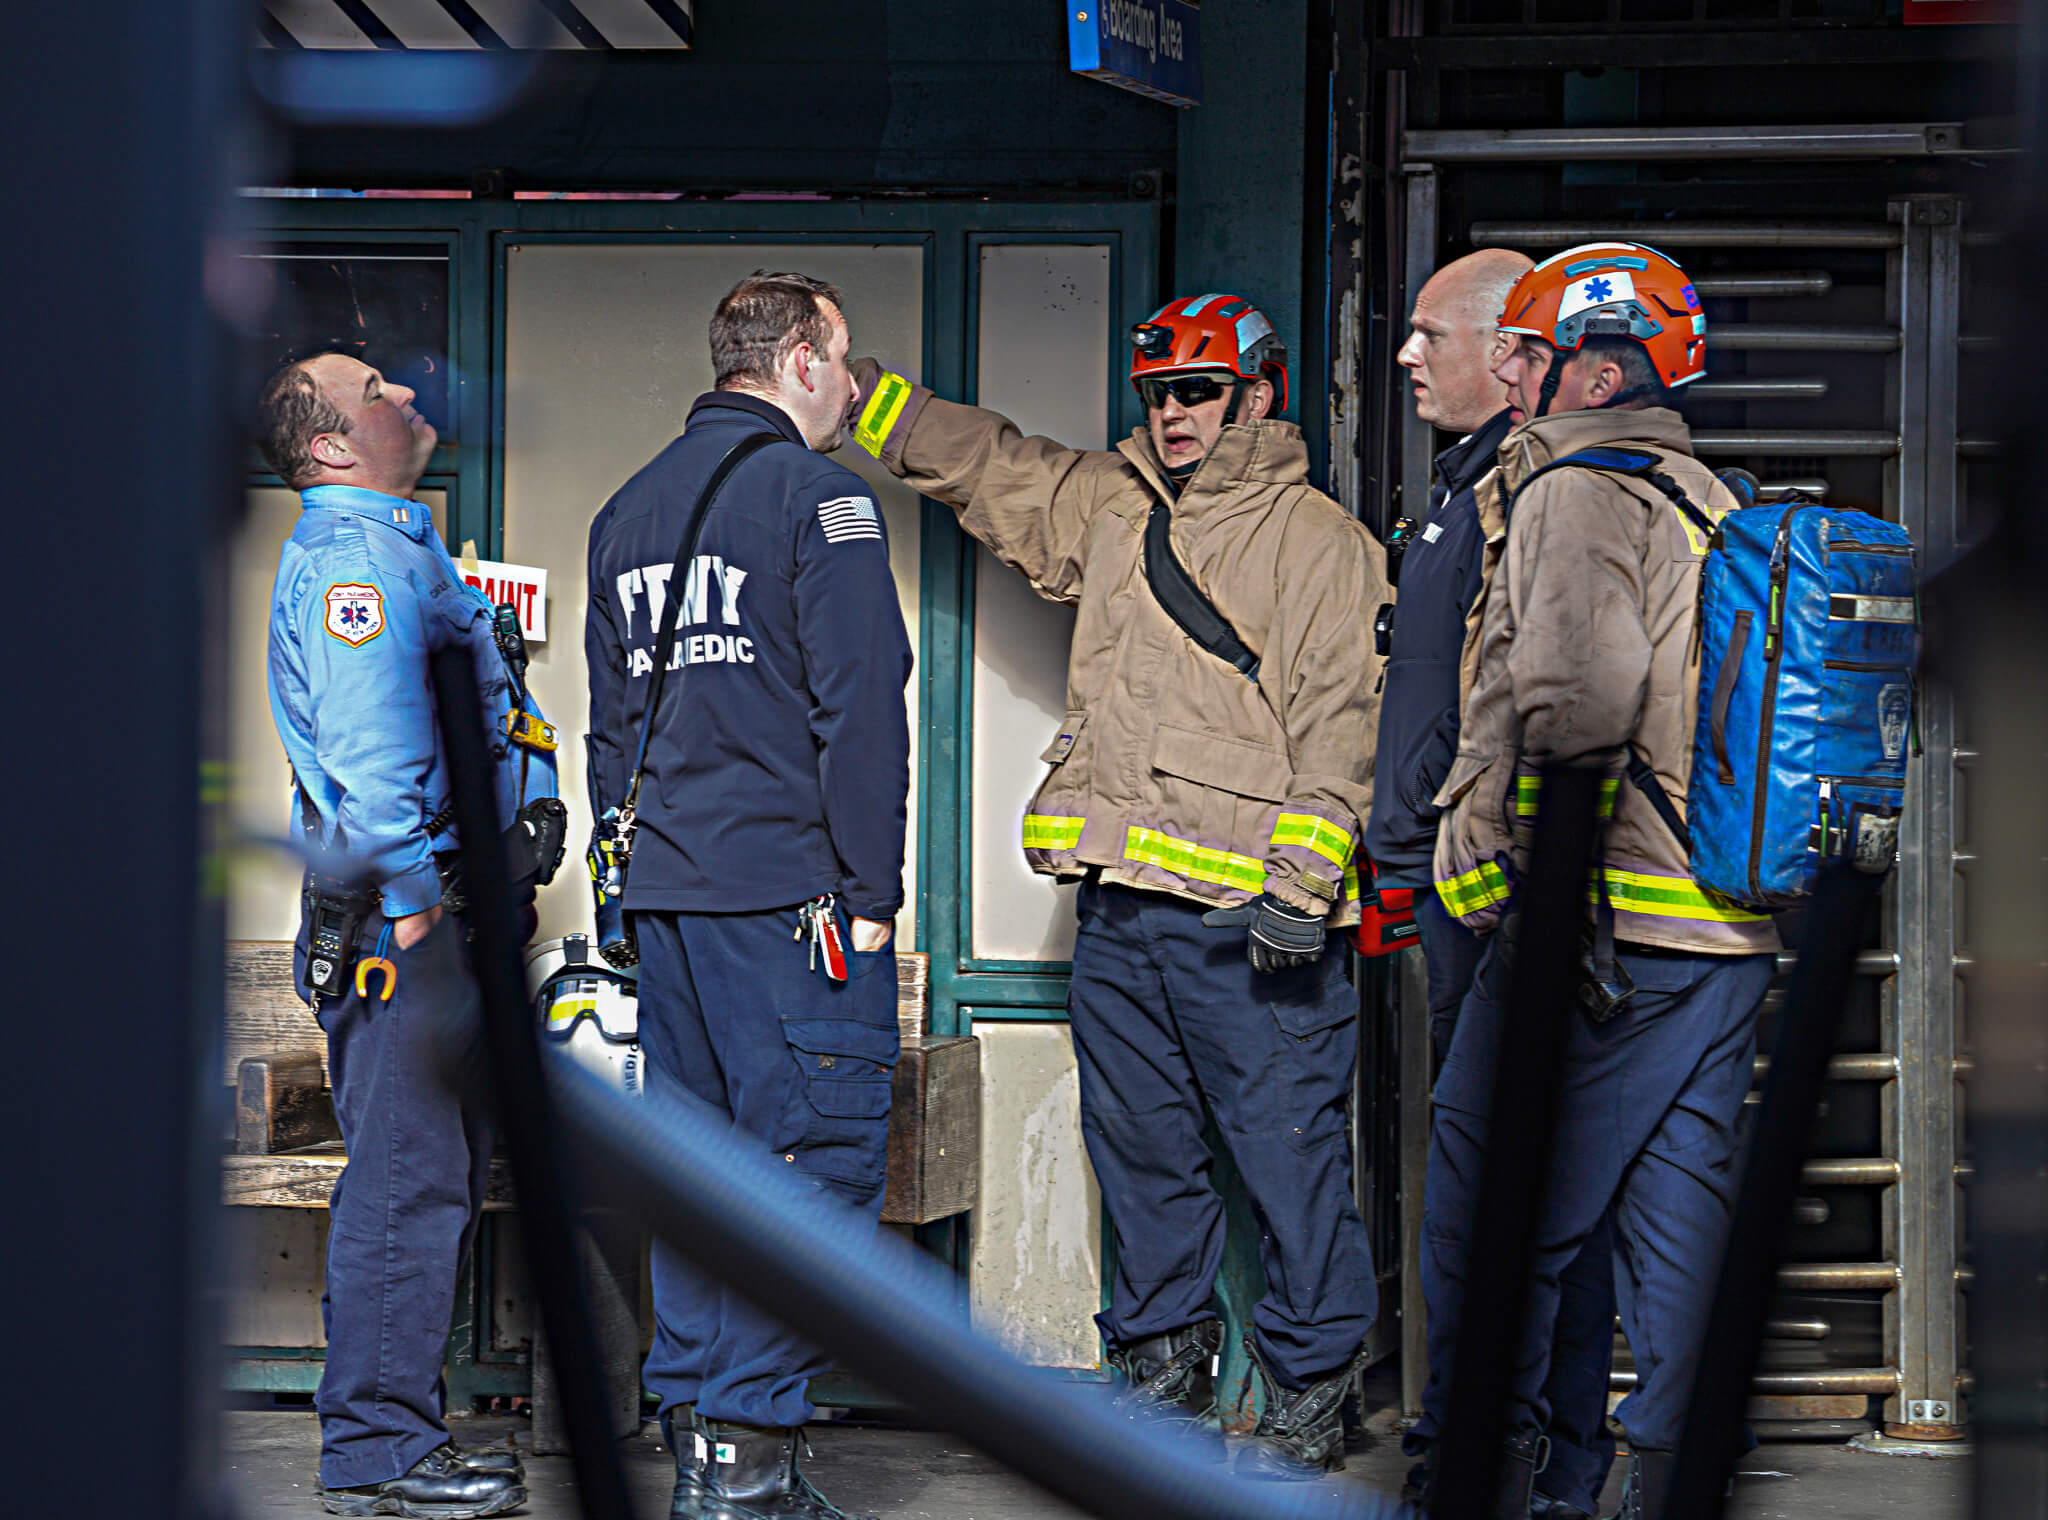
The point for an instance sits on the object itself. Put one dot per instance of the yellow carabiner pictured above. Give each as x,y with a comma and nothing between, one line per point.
370,963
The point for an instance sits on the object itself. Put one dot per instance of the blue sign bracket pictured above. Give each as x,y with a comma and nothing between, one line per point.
1153,47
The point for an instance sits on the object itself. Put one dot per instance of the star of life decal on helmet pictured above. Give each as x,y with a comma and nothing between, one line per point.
355,612
1606,288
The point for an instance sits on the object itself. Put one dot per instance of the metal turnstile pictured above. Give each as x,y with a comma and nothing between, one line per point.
1905,455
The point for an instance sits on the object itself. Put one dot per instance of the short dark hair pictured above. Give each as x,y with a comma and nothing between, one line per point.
1638,373
761,319
293,413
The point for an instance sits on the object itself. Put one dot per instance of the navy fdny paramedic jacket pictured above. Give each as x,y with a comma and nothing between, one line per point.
1419,707
779,764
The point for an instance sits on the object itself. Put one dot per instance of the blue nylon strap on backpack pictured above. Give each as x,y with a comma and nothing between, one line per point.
1643,466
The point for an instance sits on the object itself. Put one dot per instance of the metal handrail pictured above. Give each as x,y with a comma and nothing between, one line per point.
1850,1171
1738,286
1824,1276
1835,441
1757,389
1492,145
1690,234
1806,337
1820,1380
865,1297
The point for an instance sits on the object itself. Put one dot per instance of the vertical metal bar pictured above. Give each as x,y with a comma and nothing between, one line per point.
1411,1008
1920,1114
1412,998
1420,264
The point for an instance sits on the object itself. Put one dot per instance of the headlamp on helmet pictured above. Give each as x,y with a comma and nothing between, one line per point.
1152,340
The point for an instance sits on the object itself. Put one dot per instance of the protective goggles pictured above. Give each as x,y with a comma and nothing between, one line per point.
1188,390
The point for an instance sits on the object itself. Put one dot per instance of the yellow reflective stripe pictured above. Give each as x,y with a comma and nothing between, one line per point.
1673,897
1351,880
569,1010
892,393
1693,535
1310,832
1529,795
1197,862
1045,831
1470,891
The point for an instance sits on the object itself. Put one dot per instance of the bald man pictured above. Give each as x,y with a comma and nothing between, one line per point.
1452,347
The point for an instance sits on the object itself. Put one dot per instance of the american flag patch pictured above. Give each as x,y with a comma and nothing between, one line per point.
848,518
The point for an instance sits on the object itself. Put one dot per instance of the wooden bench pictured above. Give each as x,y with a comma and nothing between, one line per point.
288,1150
288,1147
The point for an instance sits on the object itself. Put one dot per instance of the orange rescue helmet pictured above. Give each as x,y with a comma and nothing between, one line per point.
1613,290
1211,332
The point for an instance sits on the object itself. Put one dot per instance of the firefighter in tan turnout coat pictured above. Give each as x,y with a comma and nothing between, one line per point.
1583,651
1195,787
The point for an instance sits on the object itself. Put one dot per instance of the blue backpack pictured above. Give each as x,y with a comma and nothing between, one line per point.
1808,630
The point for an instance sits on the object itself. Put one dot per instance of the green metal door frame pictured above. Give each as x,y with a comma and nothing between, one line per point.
479,236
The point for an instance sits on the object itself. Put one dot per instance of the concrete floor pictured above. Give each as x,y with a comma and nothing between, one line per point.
921,1475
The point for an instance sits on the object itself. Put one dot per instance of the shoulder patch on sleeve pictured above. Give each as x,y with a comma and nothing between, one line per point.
846,518
355,612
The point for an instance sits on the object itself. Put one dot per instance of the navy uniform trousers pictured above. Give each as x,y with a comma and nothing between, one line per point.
732,1012
1646,1138
1168,1015
408,1091
1582,1352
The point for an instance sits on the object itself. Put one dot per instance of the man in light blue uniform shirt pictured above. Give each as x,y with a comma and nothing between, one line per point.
365,594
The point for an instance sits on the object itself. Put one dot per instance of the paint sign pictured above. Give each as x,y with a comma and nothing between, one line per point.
1153,47
524,586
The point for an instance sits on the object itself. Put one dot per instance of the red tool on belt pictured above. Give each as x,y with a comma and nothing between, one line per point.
1386,921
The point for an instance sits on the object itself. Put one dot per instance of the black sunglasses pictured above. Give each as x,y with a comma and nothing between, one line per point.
1188,390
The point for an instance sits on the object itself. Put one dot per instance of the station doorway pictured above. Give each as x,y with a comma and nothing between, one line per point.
557,345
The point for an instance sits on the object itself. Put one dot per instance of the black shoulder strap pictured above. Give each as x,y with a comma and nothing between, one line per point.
1625,462
1645,781
678,583
1184,601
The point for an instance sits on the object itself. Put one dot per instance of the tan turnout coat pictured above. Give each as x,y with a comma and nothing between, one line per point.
1171,770
1582,642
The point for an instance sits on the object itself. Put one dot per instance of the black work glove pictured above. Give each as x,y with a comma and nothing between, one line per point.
1280,935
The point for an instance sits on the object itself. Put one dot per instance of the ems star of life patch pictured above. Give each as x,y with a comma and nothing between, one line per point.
846,518
355,612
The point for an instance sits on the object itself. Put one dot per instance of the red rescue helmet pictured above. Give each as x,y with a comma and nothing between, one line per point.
1614,290
1211,332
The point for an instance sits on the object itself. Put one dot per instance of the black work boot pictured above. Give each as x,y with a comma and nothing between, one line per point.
437,1487
1521,1458
1170,1379
752,1473
1300,1434
1421,1478
489,1458
679,1428
1648,1484
1543,1507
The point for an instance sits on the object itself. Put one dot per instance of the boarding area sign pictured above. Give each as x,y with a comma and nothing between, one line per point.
1151,46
